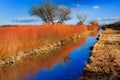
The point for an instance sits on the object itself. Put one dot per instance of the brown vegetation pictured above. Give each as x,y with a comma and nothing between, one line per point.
113,25
46,61
104,63
26,38
19,42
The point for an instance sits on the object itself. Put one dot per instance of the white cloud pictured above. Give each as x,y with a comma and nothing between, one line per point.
27,20
61,6
78,5
108,20
96,7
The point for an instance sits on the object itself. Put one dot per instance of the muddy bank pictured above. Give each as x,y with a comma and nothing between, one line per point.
104,62
22,55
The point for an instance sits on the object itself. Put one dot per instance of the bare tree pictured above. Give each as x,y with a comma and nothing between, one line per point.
63,14
47,12
94,22
81,18
39,12
51,13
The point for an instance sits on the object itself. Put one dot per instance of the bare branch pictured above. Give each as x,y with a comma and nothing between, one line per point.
81,18
50,13
94,22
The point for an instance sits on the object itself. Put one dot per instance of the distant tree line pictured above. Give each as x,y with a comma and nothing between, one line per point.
112,25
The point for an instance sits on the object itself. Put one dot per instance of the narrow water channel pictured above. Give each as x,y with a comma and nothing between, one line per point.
63,64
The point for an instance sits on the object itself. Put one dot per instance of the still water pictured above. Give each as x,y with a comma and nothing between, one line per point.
62,64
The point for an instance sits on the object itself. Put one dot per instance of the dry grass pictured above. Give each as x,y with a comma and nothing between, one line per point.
91,27
104,63
30,67
26,38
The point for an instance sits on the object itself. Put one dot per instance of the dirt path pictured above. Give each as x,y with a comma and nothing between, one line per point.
104,62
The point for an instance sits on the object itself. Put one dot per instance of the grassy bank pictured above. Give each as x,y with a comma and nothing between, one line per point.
19,41
104,63
45,61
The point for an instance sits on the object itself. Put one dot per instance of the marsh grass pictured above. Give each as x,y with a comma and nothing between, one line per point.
26,37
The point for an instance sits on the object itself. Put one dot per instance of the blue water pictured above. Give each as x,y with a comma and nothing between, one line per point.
72,69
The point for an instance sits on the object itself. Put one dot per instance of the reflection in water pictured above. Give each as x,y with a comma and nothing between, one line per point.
47,66
94,33
30,67
66,60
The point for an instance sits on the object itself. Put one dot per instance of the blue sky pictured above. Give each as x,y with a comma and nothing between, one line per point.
17,11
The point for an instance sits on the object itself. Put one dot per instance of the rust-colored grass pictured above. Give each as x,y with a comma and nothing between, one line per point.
92,27
30,67
27,37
